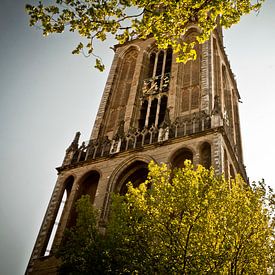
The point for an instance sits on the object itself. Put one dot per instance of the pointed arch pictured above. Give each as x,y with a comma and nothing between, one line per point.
62,203
136,173
87,185
205,155
124,78
190,79
178,158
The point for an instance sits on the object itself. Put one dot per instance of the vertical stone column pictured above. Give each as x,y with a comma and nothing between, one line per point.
217,153
47,224
174,89
157,112
206,76
148,112
66,215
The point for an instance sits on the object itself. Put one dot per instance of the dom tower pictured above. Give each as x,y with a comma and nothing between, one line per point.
152,108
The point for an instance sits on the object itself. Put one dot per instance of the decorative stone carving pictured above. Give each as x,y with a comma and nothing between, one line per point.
216,115
74,144
166,121
72,150
217,106
120,131
155,85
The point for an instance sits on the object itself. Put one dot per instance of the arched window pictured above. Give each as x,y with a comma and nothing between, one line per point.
143,112
87,186
160,63
162,110
153,112
136,173
217,69
227,100
155,86
180,157
151,65
190,80
168,63
205,155
125,75
62,203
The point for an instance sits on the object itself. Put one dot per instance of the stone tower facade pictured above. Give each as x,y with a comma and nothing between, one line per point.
152,108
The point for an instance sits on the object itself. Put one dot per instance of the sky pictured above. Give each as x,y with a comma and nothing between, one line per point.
47,94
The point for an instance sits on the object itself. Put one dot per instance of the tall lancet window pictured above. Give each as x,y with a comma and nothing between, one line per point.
122,86
190,78
228,109
155,88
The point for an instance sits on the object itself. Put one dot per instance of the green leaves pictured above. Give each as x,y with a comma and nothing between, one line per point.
99,65
195,223
186,221
168,21
78,48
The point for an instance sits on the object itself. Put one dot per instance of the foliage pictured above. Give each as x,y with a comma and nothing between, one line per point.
83,250
186,221
167,21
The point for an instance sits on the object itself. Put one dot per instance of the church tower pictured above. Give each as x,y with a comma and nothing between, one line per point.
155,109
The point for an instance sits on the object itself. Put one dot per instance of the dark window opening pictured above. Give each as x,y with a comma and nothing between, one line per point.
136,173
153,111
143,112
151,65
160,63
88,186
163,106
180,157
168,63
206,155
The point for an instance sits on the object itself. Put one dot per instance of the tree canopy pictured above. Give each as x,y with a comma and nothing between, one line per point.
167,21
186,221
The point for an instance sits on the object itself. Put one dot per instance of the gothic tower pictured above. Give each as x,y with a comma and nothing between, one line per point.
152,108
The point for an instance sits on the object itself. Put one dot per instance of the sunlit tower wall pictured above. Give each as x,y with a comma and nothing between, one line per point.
152,108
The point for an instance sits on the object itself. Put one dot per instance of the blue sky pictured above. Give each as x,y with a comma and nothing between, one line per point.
47,94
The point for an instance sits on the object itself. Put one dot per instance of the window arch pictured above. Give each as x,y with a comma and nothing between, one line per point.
205,155
217,69
162,110
155,86
153,112
87,186
68,184
180,156
160,63
123,83
190,78
136,172
143,112
228,113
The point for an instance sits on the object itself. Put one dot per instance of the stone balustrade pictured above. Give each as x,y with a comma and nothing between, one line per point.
135,138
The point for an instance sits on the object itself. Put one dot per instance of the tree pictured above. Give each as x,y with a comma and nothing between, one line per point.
167,21
184,221
83,250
